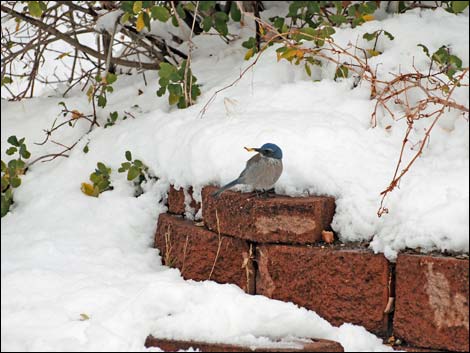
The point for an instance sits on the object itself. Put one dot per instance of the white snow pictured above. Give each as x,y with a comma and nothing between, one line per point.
109,22
65,254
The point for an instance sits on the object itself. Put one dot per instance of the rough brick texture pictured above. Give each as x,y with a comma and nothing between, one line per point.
193,250
340,285
414,349
176,201
432,302
297,346
279,219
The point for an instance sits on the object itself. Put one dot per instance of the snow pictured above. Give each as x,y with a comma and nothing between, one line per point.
65,254
108,21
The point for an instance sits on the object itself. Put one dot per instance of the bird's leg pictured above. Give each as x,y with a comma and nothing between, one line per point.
266,194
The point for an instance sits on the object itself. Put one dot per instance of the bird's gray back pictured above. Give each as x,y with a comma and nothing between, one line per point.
261,172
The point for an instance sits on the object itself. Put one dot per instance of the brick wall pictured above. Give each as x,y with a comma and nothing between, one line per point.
273,247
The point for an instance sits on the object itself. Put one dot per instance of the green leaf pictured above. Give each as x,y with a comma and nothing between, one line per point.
328,31
133,173
125,18
182,103
5,205
175,89
308,70
138,163
373,52
24,152
34,8
177,76
235,12
125,165
173,99
110,78
195,92
459,6
11,150
146,4
128,155
278,23
13,141
456,61
113,116
313,7
441,55
12,165
389,35
146,18
310,33
15,182
137,7
207,23
95,178
161,91
206,5
166,70
249,53
86,149
451,72
371,6
338,19
221,23
103,185
180,11
5,183
102,101
341,72
163,81
160,13
370,36
6,80
102,168
294,8
4,166
425,49
250,43
126,6
174,21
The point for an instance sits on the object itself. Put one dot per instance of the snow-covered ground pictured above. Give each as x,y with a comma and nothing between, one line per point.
65,254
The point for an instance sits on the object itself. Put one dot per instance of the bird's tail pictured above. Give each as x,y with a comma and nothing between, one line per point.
225,187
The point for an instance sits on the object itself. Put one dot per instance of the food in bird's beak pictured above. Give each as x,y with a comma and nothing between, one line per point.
249,149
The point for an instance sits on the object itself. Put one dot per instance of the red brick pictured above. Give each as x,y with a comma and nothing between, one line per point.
297,346
431,307
194,250
279,219
176,201
339,285
414,349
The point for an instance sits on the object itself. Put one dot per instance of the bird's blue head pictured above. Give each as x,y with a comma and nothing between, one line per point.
268,150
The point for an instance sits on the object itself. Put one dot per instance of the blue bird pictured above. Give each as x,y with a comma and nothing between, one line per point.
261,171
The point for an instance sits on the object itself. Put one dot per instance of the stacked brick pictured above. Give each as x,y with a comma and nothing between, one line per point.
272,246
